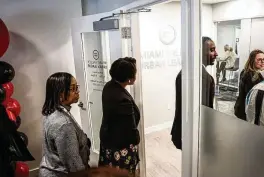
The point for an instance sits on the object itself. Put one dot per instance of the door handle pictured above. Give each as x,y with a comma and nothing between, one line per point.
81,106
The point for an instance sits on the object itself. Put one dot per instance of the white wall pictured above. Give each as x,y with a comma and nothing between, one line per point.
40,45
238,9
226,34
159,81
245,11
207,21
257,37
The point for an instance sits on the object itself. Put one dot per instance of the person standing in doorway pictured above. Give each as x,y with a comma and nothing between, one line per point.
249,77
119,135
209,55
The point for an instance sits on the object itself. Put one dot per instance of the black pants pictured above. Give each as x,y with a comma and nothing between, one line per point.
222,69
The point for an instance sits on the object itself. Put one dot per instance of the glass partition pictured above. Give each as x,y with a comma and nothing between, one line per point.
227,65
229,146
160,43
232,92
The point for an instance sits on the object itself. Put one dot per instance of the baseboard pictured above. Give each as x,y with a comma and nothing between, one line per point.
34,172
158,127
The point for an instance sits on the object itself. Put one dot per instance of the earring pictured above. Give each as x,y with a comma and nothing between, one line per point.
129,81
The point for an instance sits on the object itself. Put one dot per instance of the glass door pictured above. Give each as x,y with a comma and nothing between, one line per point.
92,62
99,40
131,47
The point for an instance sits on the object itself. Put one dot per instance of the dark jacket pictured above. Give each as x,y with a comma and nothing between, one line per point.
247,81
120,117
208,88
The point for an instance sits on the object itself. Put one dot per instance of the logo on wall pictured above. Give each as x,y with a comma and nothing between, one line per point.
96,54
167,35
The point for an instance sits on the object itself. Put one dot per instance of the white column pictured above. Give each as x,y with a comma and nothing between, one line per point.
138,93
191,69
244,42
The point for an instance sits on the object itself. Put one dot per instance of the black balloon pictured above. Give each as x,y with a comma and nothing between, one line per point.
7,72
18,122
24,137
2,94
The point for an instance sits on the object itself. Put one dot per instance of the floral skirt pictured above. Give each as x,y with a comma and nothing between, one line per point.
126,158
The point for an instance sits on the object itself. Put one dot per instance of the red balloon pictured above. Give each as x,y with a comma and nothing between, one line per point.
22,170
9,88
11,116
4,38
4,103
13,106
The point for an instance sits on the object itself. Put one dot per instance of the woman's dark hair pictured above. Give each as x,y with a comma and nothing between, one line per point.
250,64
123,69
57,84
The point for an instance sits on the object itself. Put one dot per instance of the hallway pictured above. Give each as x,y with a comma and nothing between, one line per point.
162,158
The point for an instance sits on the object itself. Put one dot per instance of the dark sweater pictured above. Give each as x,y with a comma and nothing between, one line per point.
120,117
247,81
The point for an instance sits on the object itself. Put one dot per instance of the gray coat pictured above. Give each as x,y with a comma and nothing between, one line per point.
253,99
65,146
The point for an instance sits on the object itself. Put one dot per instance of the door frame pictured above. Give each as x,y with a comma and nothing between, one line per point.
190,49
191,85
191,78
77,27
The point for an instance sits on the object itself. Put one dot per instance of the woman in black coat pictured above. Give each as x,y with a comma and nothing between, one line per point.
119,136
249,77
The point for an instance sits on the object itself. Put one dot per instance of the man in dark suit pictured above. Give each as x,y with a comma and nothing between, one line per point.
208,86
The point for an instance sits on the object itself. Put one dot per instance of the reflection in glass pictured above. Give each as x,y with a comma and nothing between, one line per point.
227,65
230,146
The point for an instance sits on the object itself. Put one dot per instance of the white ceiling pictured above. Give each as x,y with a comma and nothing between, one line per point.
209,1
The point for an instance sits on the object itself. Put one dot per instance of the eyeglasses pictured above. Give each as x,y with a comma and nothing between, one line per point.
260,60
74,88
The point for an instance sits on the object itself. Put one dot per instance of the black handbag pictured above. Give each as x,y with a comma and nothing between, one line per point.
16,148
11,142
